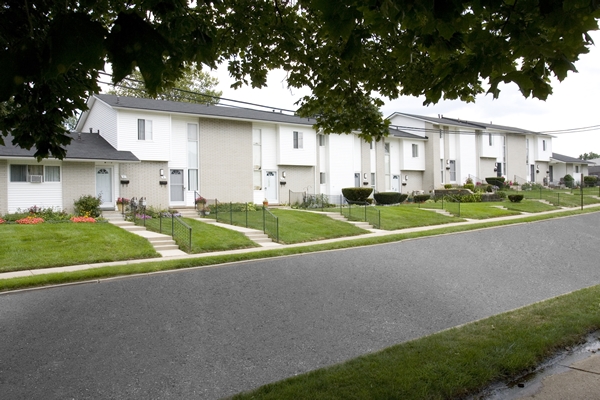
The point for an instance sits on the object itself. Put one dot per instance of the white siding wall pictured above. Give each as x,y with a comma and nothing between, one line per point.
341,172
468,162
157,149
102,117
410,162
288,155
492,151
357,157
540,154
22,195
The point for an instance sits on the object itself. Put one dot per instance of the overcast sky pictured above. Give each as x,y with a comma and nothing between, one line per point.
574,104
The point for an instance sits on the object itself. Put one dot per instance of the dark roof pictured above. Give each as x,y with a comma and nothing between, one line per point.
397,132
202,109
439,121
468,124
567,159
88,146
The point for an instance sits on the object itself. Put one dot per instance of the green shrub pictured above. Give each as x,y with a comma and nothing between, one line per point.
357,194
420,198
88,206
387,197
235,207
489,188
501,194
496,181
403,198
568,181
590,180
515,198
49,213
447,186
470,186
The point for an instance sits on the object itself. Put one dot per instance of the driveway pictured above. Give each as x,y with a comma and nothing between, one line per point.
213,332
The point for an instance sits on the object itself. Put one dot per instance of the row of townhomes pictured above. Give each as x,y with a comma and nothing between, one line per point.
169,152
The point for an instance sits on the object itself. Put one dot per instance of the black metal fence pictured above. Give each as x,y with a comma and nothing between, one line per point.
166,223
247,215
360,212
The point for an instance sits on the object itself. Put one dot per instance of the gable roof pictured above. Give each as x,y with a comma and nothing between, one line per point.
83,146
570,160
243,114
469,124
397,132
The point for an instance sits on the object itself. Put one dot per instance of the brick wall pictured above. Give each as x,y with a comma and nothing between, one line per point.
226,160
78,179
144,180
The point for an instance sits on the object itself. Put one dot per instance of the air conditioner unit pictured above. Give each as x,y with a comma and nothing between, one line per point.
36,178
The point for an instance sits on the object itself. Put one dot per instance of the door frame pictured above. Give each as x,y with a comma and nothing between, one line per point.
111,203
275,185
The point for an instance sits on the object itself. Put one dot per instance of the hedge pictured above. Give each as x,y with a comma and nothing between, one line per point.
389,197
515,198
420,198
496,181
357,194
590,180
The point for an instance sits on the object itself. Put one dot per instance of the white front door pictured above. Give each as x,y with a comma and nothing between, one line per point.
395,183
104,187
271,186
177,187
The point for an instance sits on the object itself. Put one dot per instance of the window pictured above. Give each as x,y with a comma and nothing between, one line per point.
490,139
298,140
544,145
415,150
322,178
321,140
442,169
386,147
373,180
371,145
144,129
52,174
577,169
18,173
452,165
192,156
34,173
527,151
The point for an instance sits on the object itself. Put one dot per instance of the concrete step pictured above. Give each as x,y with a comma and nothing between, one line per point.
361,224
165,247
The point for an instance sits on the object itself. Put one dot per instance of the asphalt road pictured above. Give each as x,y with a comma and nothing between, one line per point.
213,332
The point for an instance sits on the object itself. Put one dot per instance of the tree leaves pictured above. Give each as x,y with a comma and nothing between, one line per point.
348,52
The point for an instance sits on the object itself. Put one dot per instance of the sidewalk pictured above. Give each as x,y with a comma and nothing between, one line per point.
581,381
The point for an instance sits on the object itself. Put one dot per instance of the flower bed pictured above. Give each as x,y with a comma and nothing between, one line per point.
30,220
2,221
83,219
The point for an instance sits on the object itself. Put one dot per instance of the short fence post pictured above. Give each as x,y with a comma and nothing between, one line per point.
459,208
277,222
231,213
365,212
264,226
173,226
246,215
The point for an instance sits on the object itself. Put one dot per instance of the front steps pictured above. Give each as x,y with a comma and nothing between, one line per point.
339,217
163,244
256,236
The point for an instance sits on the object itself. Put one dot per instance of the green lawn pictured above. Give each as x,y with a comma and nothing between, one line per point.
58,244
474,210
563,198
401,217
295,226
529,206
205,237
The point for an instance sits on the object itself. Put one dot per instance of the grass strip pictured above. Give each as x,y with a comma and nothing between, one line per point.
155,266
455,362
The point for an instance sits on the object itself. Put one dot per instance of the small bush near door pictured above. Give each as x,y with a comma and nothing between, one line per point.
515,198
389,197
356,194
88,206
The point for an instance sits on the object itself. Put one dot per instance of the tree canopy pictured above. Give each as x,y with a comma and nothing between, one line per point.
589,156
195,86
348,52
